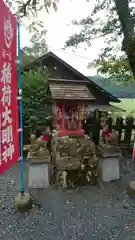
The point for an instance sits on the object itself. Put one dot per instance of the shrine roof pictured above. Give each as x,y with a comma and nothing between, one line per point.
96,90
70,90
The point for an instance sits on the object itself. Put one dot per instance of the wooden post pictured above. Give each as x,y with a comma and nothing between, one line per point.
63,125
57,116
80,116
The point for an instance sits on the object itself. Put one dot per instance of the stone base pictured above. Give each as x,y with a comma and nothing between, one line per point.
23,202
40,174
109,168
131,189
36,159
65,132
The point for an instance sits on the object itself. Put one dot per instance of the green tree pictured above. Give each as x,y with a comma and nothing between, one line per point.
37,46
116,25
26,58
37,101
28,13
114,67
25,8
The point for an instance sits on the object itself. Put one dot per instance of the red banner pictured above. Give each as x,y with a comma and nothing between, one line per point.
9,137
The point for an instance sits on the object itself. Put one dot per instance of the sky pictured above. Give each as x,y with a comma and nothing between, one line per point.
59,28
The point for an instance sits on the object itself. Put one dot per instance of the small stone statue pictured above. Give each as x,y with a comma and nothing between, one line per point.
114,137
38,147
106,134
32,139
34,146
64,179
54,146
88,176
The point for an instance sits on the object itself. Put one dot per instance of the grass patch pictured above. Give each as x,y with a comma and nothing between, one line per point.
128,105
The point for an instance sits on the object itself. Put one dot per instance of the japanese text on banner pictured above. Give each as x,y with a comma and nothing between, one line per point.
9,136
7,148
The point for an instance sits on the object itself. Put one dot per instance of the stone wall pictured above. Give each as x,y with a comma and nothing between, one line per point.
75,160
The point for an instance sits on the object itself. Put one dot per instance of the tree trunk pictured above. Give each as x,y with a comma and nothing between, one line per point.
127,26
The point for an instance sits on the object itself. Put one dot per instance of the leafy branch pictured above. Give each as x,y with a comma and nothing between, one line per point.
114,20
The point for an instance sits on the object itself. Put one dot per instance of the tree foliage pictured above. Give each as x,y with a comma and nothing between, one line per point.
114,67
28,14
94,26
30,7
37,46
114,20
26,59
37,101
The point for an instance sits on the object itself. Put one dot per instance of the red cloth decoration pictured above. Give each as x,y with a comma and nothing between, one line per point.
106,134
45,138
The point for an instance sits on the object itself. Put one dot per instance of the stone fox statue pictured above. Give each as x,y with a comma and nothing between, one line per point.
51,137
47,137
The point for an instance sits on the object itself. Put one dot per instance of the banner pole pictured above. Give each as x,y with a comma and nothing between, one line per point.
20,114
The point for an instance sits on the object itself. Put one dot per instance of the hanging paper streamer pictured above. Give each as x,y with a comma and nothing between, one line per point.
81,112
58,113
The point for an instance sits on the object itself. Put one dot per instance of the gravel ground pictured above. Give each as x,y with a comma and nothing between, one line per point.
83,214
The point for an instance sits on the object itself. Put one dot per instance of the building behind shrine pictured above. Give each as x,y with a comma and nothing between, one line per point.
74,94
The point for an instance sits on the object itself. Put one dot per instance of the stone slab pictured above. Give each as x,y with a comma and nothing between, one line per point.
39,175
114,155
39,159
109,169
109,151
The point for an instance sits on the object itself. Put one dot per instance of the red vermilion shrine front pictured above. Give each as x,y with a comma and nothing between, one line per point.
72,99
69,117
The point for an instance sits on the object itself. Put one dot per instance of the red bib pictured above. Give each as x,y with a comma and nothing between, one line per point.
45,138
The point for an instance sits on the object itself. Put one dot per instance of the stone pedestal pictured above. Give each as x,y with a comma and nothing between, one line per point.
40,173
131,189
109,165
23,202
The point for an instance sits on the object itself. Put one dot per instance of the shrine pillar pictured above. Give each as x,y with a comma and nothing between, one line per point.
80,124
81,114
63,115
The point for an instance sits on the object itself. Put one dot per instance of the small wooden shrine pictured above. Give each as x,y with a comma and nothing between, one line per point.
74,94
71,98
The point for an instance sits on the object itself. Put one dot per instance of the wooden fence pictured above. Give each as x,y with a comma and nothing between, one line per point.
93,126
125,128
